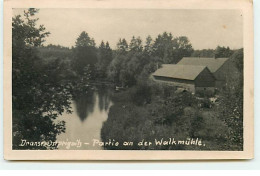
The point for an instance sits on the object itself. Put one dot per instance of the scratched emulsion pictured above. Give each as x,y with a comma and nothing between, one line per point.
85,122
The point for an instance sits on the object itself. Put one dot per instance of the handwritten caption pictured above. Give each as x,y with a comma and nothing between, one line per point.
111,142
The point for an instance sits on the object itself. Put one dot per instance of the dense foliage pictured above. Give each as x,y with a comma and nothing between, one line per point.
135,60
149,111
39,92
219,52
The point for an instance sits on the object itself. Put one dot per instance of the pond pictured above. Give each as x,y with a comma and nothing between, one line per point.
90,111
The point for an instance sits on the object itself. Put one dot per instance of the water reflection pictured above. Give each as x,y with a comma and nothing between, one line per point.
85,104
90,111
103,99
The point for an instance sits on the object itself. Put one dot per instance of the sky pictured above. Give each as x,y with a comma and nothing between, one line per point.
206,29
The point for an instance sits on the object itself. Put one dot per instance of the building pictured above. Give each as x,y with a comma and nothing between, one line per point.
192,78
220,67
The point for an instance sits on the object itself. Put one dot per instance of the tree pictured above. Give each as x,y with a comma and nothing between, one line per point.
163,47
136,45
133,64
223,52
148,48
238,58
231,102
84,40
30,36
171,50
151,62
104,59
118,60
183,48
122,46
39,94
135,61
85,54
204,53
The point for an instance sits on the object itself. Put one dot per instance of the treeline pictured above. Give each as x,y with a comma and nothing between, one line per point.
52,52
130,61
214,53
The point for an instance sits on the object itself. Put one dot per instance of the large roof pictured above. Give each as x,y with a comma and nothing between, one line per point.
212,63
188,72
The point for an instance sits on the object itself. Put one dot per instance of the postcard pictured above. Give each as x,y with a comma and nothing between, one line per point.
128,80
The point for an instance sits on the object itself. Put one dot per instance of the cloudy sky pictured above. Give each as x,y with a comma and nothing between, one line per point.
204,28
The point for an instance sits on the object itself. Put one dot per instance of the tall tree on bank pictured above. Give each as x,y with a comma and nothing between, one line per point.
118,59
122,46
151,61
163,47
182,48
133,64
104,59
38,95
171,50
85,56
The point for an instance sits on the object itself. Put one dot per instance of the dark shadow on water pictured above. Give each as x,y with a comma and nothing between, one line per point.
103,99
85,103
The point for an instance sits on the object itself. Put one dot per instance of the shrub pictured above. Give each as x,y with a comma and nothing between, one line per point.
141,93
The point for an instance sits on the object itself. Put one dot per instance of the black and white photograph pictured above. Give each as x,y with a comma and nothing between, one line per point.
122,79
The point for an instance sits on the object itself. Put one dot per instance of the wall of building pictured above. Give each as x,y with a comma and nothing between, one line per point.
205,83
186,84
205,79
220,83
224,72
